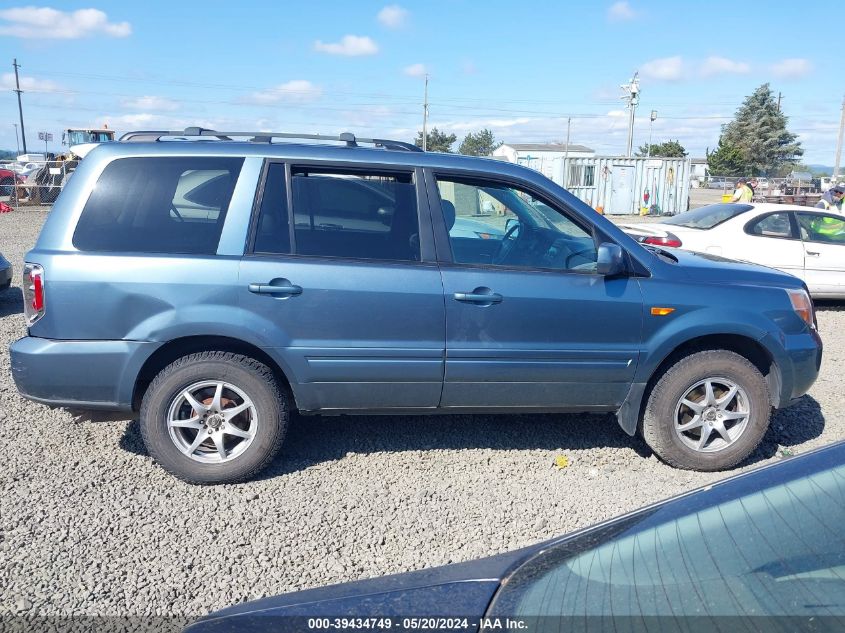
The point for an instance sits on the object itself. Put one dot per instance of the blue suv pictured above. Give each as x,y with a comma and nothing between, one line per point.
213,282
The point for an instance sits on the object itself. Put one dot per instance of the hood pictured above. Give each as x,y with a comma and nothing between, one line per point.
464,590
708,268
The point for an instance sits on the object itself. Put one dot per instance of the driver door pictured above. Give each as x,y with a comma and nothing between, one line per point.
529,324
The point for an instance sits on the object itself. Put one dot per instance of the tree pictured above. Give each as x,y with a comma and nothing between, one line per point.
759,132
437,141
480,144
726,160
669,149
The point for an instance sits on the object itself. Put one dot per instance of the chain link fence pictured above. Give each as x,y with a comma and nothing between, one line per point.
804,192
39,186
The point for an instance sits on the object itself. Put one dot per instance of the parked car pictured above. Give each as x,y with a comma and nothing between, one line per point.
5,273
719,183
759,551
212,287
8,179
805,242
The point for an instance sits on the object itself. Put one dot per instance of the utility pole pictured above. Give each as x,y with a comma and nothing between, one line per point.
839,143
20,108
779,97
566,154
650,125
632,98
425,116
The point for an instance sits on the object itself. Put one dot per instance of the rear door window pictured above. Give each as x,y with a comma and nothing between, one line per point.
361,215
159,205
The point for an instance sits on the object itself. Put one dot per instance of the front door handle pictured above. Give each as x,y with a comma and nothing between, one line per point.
813,253
479,295
276,288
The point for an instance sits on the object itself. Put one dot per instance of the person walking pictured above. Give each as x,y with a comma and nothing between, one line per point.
832,199
743,192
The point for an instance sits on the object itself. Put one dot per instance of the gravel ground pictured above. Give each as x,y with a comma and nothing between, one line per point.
91,526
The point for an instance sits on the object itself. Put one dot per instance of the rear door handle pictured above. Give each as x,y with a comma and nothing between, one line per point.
276,288
477,297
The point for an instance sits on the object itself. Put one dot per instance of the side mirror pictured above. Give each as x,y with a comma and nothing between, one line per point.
610,260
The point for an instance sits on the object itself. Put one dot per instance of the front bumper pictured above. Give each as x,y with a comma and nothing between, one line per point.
84,374
799,359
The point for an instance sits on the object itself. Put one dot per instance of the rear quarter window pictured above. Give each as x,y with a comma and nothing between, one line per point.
158,205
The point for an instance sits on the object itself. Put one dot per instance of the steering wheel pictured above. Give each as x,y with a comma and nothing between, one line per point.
508,242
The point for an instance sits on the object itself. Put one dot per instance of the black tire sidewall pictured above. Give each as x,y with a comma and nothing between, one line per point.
658,421
265,396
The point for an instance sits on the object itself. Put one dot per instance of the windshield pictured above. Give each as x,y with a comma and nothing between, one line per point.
775,551
709,216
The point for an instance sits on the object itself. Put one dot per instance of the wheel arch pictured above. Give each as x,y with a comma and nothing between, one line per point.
631,412
179,347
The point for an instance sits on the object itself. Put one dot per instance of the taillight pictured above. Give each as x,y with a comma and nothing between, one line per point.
33,292
669,240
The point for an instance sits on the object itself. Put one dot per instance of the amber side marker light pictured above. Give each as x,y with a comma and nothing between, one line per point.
657,311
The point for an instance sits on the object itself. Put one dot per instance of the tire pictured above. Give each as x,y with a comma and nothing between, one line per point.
679,411
235,446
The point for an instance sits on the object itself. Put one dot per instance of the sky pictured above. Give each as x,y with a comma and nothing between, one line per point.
520,69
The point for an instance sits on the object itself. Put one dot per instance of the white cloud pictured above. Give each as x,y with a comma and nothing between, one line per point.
160,104
29,84
295,91
664,69
47,23
349,45
621,11
393,16
715,65
793,68
415,70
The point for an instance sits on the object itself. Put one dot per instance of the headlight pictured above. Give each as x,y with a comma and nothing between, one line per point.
803,305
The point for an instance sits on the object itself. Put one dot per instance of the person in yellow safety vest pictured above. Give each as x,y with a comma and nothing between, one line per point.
829,228
743,192
832,199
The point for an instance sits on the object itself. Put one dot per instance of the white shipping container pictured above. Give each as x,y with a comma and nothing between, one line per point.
618,185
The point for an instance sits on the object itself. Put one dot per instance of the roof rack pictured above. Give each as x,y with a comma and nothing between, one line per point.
263,137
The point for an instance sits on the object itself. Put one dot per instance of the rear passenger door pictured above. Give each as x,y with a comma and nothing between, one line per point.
340,280
823,237
772,240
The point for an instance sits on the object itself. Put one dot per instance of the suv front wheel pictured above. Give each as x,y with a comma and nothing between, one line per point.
707,412
214,417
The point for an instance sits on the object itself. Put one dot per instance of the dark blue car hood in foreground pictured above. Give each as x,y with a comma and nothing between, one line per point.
465,590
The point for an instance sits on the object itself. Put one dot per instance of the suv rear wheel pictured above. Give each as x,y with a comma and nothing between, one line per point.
214,417
708,412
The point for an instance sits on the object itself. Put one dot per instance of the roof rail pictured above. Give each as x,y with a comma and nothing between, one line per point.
263,137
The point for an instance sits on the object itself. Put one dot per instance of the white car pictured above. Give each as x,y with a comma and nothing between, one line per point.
806,242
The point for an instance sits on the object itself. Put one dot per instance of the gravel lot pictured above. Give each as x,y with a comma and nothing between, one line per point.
90,525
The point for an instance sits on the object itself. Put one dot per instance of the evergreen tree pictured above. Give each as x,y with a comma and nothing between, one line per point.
669,149
726,160
437,141
481,144
759,132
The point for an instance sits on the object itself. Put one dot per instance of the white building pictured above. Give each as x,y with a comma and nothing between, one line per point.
544,157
